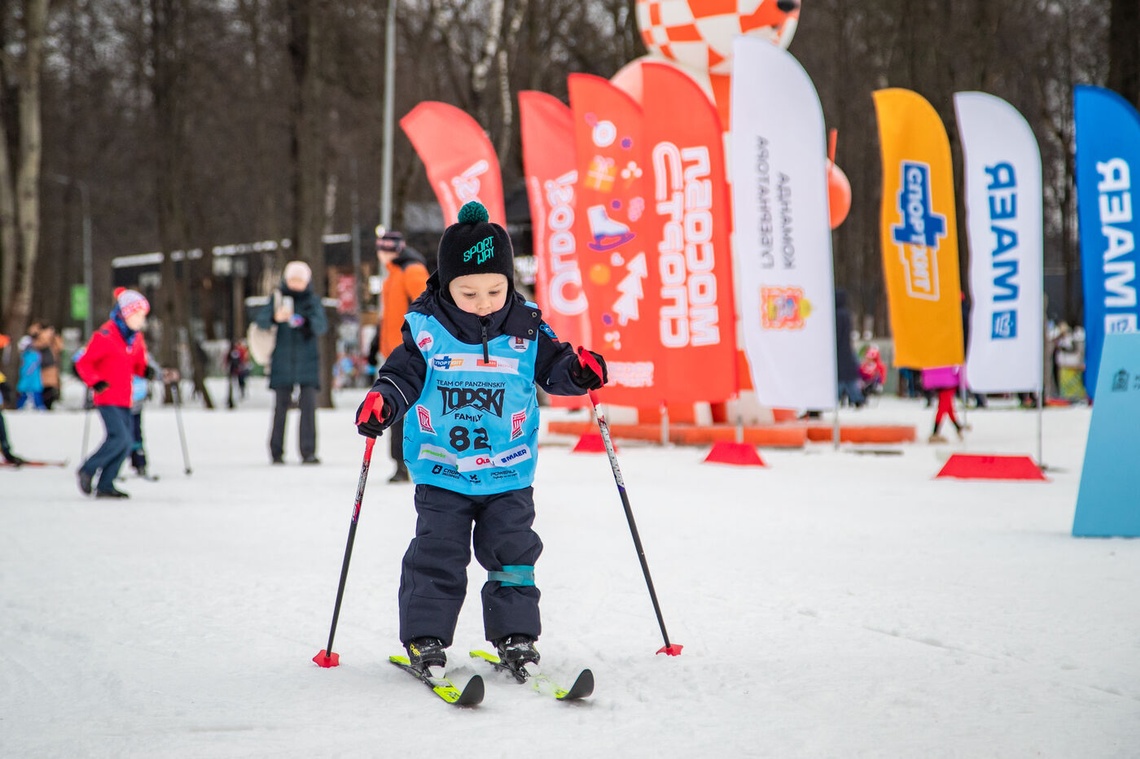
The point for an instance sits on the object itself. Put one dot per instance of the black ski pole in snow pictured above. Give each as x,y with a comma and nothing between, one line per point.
671,649
178,417
326,658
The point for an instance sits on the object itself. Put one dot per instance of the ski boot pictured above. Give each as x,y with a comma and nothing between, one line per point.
516,652
427,655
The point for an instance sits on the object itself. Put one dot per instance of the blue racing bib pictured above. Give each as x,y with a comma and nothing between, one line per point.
474,429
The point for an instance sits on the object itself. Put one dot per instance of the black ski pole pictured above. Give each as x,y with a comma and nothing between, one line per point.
326,658
178,417
671,649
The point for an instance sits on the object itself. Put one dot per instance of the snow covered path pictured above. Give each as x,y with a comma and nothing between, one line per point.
831,604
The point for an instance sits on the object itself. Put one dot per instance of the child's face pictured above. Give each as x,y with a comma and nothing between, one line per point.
296,284
479,294
136,321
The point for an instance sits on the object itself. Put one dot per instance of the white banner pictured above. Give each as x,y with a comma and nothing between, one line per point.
782,233
1004,230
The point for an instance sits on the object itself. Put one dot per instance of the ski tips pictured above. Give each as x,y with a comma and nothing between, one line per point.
326,659
673,649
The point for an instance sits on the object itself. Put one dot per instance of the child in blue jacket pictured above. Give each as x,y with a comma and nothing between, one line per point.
463,381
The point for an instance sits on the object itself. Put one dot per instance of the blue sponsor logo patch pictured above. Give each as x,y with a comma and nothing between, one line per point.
920,225
919,233
1004,325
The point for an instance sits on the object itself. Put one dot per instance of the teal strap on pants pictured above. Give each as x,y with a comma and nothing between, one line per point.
513,575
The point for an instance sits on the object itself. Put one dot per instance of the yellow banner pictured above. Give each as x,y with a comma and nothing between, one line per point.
919,234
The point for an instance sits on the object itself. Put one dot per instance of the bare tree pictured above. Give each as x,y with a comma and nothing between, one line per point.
239,145
168,23
1124,49
308,153
20,169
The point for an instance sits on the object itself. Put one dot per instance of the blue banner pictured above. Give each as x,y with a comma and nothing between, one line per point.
1108,155
1106,501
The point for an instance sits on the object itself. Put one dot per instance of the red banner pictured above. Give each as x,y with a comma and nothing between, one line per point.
547,127
461,162
616,257
687,216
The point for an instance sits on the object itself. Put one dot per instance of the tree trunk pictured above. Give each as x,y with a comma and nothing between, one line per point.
167,17
19,196
306,52
1124,49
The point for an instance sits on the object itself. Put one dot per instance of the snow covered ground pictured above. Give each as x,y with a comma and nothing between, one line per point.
830,605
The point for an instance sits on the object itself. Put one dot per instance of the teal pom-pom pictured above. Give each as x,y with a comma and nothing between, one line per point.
473,212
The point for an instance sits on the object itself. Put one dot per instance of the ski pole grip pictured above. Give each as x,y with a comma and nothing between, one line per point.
586,359
373,404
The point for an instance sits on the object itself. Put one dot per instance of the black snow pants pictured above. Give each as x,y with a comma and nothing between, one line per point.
433,582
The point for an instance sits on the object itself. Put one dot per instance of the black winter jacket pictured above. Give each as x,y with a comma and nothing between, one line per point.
401,378
296,355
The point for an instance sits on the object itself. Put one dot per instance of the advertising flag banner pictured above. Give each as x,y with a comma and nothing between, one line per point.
460,160
783,237
919,232
687,219
547,127
617,258
1108,154
1107,505
1005,233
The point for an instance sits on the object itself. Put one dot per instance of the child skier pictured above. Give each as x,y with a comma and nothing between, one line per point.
872,371
140,392
473,350
945,381
30,384
113,355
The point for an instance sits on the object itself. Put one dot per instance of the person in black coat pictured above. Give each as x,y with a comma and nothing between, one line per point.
297,313
846,364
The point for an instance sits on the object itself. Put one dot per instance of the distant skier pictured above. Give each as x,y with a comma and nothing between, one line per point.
114,354
140,392
6,394
473,350
945,381
30,385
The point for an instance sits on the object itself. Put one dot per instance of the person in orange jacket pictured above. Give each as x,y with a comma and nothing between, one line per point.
405,279
115,353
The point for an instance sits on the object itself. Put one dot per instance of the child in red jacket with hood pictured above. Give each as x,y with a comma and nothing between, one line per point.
115,353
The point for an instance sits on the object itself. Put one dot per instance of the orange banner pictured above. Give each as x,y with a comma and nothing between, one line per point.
461,162
547,128
919,232
688,219
617,258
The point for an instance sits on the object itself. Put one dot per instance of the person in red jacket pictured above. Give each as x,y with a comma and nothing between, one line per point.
115,353
872,371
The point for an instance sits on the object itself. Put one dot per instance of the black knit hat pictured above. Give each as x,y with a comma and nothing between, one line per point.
474,245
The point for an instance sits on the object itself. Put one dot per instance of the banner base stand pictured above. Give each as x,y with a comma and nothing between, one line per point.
737,454
591,442
965,466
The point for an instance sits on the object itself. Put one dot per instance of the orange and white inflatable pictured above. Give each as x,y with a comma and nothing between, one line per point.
697,35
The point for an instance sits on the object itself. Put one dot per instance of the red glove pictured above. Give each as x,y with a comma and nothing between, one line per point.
374,415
